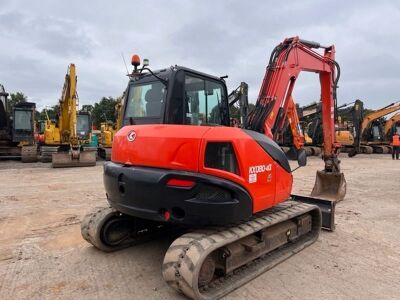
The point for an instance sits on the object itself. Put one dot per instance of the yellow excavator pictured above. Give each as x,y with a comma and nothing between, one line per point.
67,141
108,130
372,132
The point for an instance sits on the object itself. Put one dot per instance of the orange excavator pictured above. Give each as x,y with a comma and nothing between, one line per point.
392,126
229,188
372,132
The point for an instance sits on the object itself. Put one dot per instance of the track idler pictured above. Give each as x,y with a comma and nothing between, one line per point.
110,230
107,229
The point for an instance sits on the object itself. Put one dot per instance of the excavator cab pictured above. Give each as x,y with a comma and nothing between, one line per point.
176,95
17,130
23,122
83,127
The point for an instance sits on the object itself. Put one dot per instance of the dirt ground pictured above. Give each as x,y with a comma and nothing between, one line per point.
42,254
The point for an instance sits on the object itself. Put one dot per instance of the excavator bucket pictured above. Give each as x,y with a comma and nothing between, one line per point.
66,160
330,186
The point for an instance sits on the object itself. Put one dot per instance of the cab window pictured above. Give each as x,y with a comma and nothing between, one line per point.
145,100
202,101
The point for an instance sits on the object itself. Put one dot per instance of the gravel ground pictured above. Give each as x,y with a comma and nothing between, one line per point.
42,254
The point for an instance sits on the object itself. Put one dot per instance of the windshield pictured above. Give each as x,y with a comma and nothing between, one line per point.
41,126
145,100
375,132
23,120
82,126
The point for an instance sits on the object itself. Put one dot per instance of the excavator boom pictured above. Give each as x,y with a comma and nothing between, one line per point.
390,126
275,104
378,114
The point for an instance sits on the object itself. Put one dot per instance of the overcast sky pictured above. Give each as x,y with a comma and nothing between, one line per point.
40,38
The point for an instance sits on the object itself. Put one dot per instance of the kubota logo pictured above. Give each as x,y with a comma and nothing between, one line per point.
131,136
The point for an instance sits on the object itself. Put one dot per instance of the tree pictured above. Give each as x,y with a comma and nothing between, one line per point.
104,111
52,112
16,98
87,108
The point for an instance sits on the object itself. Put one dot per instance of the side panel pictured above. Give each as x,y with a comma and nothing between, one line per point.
160,146
259,173
177,147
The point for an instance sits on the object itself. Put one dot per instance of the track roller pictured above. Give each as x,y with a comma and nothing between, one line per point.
367,149
386,150
316,151
378,149
309,151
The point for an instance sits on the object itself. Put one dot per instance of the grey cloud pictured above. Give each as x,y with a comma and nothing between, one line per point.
53,35
218,37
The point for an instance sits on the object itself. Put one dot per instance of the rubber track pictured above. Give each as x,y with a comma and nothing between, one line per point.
184,257
92,224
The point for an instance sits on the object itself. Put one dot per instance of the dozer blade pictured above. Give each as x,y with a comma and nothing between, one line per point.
330,186
326,206
65,160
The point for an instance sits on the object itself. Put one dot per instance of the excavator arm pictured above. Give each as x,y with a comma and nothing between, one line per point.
239,96
389,124
275,103
68,114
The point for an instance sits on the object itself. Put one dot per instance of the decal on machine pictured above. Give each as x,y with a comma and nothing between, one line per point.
254,170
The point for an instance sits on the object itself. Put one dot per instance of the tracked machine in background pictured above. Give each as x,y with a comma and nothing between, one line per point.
392,126
309,119
350,136
228,187
67,141
17,129
372,129
108,130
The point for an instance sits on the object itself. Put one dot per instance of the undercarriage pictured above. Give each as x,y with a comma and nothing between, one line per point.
209,262
27,153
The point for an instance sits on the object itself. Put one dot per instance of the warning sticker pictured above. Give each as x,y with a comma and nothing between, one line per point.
252,178
254,170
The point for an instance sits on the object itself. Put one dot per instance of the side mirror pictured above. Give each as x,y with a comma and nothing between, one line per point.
301,158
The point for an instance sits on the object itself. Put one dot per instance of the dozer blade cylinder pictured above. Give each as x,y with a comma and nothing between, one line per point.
65,160
330,186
